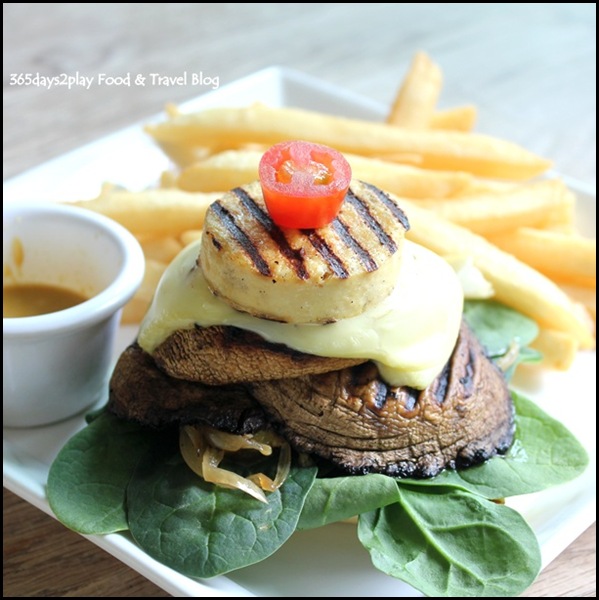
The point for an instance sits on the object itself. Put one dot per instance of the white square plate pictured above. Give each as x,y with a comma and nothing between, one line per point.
327,561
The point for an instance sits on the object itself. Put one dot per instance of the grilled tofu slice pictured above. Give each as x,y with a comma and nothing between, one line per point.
308,275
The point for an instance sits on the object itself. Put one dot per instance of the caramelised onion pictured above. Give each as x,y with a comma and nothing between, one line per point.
224,478
232,442
283,466
192,446
510,357
203,449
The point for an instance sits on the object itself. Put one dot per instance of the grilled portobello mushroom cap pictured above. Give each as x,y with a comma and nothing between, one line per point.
352,418
349,417
222,355
143,393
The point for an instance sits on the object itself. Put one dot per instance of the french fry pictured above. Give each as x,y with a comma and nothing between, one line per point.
134,311
153,213
460,118
558,348
152,275
184,155
415,102
528,205
403,158
168,180
584,295
569,227
485,186
418,94
229,169
560,256
515,283
161,249
223,171
473,282
171,109
136,308
406,180
481,155
191,236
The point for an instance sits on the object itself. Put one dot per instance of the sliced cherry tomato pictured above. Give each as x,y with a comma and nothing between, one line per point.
303,184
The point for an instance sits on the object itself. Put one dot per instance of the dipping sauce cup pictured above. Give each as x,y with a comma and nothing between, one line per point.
57,364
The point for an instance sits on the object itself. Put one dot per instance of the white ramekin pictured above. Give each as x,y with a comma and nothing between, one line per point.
57,365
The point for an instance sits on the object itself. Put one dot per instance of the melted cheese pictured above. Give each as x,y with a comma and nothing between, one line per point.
410,334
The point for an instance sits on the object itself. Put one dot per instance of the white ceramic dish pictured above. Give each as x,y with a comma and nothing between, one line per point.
332,556
87,252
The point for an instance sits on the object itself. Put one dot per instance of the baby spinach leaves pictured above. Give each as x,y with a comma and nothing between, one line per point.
202,530
339,498
443,536
497,327
449,542
87,480
543,454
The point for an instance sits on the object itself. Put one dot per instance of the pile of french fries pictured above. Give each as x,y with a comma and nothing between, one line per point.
465,194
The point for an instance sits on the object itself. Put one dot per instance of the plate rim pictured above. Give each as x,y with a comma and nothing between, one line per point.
117,544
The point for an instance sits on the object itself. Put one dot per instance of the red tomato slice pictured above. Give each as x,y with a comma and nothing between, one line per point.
303,184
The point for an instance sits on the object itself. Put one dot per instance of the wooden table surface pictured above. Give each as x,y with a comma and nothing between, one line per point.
529,68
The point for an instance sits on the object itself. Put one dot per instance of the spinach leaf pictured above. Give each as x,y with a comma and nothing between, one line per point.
448,542
87,480
337,498
497,326
202,530
544,453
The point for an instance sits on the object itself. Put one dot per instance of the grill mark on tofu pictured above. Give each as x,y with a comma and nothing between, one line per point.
370,221
399,214
241,237
327,254
293,257
366,232
342,230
